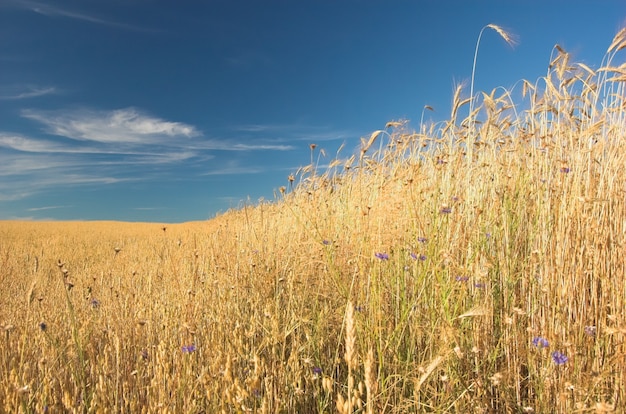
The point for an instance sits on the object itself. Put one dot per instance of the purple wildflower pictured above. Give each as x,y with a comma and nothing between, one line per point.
540,342
382,256
445,210
590,330
565,170
422,239
413,256
316,370
461,278
187,349
559,358
479,285
325,242
95,303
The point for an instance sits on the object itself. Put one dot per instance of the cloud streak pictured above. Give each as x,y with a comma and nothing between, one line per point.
31,92
58,11
86,147
119,126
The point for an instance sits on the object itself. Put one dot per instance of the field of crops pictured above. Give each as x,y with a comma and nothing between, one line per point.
475,265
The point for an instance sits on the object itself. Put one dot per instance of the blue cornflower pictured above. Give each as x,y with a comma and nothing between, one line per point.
382,256
590,330
187,349
559,358
413,256
540,342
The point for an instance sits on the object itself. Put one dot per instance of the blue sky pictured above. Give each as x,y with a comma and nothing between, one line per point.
154,110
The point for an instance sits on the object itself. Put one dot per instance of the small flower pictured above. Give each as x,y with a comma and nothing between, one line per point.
382,256
461,278
590,330
422,239
559,358
187,349
445,210
326,242
565,170
422,257
479,285
43,326
540,342
488,236
316,370
413,256
95,303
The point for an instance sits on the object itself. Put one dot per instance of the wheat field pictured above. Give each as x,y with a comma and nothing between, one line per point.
474,265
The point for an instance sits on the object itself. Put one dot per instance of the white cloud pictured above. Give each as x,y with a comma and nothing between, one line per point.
91,148
46,208
25,93
296,132
235,171
57,11
118,126
24,144
226,145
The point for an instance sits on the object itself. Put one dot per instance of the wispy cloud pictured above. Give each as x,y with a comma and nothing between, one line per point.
236,171
86,147
228,145
296,132
126,125
46,208
25,93
66,12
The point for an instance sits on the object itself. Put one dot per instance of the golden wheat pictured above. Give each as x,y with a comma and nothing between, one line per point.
493,287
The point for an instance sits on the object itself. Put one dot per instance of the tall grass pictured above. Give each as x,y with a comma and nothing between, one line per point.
402,279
